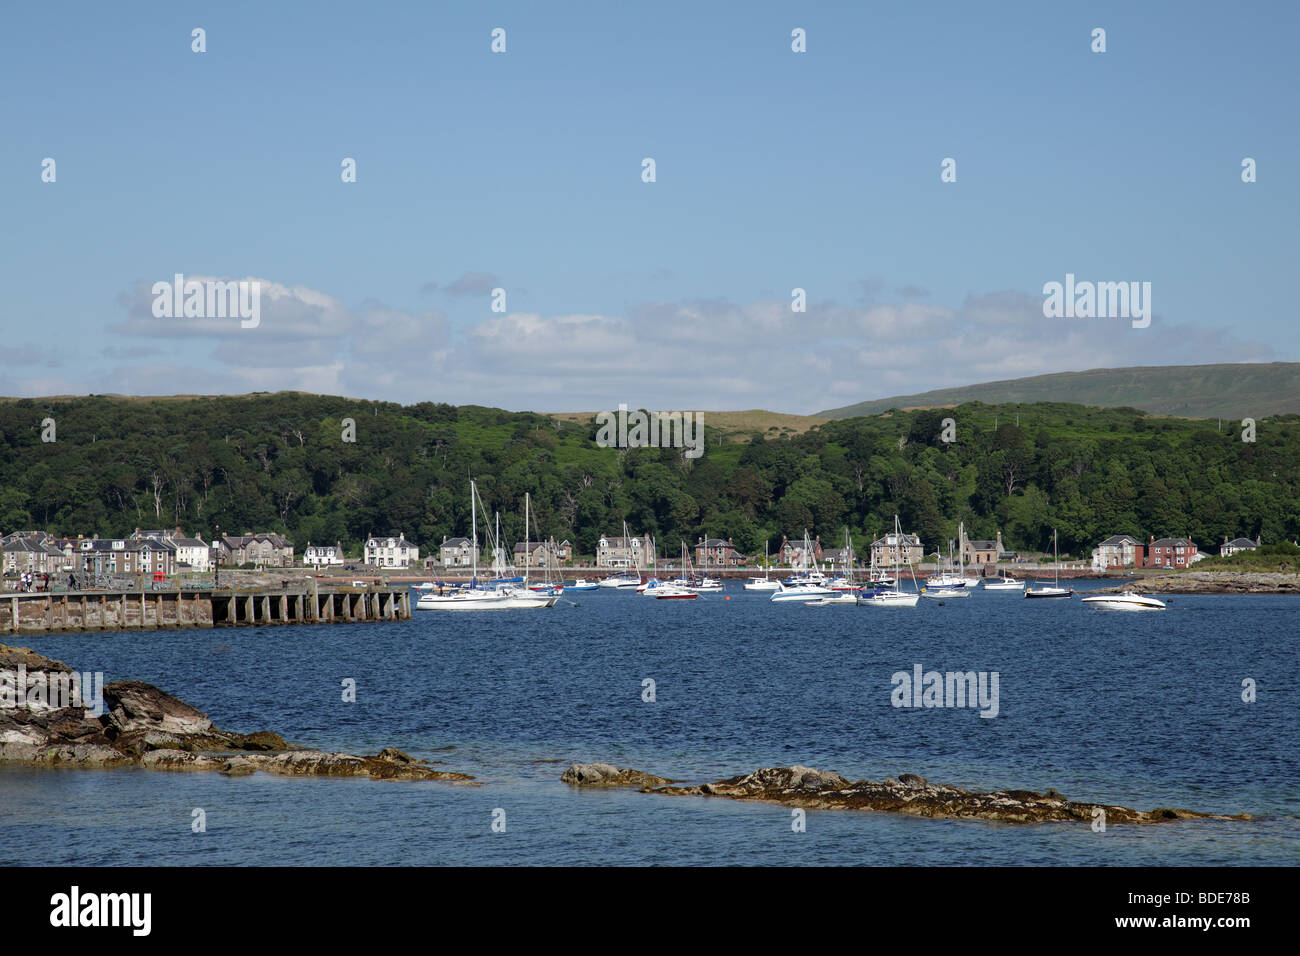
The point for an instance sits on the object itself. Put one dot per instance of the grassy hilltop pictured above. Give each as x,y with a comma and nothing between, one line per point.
1189,391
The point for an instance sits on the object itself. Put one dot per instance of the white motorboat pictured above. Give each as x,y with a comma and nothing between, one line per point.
582,584
1055,590
625,580
672,592
800,592
1124,601
838,599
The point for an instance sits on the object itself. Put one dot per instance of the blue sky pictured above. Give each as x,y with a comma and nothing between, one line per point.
522,171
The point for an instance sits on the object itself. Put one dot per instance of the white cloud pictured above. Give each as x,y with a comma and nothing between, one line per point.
696,354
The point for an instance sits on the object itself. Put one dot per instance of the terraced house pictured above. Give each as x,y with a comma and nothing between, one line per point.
33,551
147,556
267,550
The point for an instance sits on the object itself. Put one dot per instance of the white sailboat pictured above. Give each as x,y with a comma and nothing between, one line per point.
548,584
625,580
1055,591
890,595
1004,583
676,590
476,597
764,583
948,586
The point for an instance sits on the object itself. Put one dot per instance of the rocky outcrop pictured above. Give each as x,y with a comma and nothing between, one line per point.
607,775
1210,582
141,725
912,794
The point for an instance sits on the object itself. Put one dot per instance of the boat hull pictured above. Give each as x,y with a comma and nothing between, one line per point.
1122,603
1050,593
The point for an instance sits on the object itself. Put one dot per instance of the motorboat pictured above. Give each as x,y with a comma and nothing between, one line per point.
800,592
672,592
838,599
582,584
625,580
1124,601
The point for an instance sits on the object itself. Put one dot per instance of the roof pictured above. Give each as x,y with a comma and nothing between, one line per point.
456,543
1172,543
891,540
188,543
241,541
1117,539
1242,543
982,545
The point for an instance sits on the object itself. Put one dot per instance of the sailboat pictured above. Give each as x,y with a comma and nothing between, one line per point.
810,586
475,596
811,576
944,586
1055,591
678,590
547,585
891,595
1004,583
844,585
630,580
764,583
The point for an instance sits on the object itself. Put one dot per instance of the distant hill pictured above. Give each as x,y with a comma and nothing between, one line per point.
737,425
1187,391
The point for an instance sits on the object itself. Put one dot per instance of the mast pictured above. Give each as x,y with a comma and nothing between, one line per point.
528,558
473,523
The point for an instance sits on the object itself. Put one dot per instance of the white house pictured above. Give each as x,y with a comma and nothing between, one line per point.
194,552
391,552
1229,548
323,555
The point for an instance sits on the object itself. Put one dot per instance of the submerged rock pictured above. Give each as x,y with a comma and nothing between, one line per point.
607,775
911,794
146,727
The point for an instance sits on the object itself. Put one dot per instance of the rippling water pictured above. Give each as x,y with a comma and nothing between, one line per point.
1142,710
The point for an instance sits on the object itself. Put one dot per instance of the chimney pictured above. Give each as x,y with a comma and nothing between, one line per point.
1257,540
999,544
